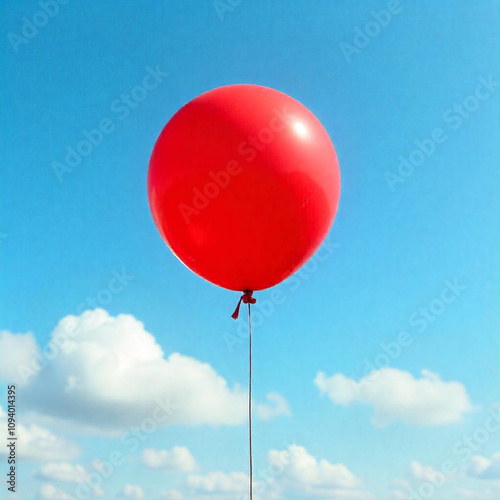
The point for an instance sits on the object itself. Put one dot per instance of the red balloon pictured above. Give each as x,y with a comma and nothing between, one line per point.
244,185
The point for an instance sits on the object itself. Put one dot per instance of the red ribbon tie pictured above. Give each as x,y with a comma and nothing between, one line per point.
247,299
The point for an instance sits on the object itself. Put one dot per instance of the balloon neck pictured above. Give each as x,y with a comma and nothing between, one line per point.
246,298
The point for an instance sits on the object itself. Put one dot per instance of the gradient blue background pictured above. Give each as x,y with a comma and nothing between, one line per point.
61,241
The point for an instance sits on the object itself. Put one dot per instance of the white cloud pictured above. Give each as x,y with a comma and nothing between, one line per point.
18,349
400,489
98,491
178,459
291,474
484,468
278,407
422,480
397,395
132,491
425,480
172,495
50,492
492,493
300,475
425,473
217,483
107,374
38,443
62,472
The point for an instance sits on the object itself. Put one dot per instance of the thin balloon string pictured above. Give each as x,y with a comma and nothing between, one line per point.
250,399
247,298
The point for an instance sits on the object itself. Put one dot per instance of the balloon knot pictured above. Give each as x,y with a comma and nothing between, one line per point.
246,298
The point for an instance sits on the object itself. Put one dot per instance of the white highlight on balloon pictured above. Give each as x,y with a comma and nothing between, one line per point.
301,129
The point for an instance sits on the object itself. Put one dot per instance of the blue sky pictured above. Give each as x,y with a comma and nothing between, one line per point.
393,248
